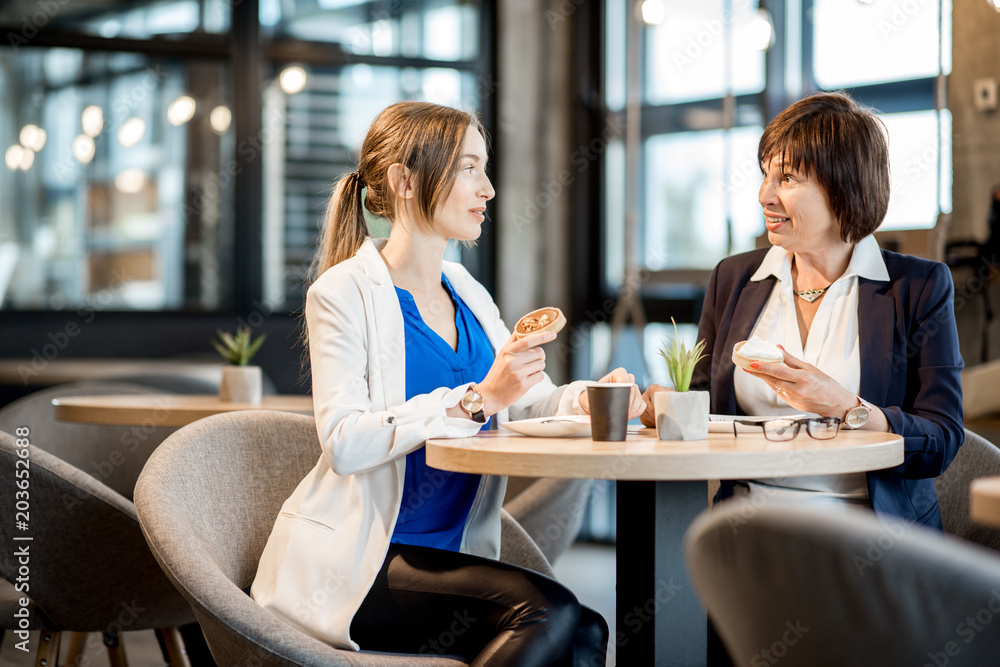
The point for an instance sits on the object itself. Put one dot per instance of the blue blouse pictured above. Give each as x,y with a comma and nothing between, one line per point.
436,503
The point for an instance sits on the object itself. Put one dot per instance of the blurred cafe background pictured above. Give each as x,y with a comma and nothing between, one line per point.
167,162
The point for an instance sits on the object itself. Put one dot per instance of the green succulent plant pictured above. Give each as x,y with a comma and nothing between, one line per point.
680,360
238,349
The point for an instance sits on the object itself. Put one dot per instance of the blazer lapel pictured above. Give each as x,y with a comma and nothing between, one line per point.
389,327
751,302
876,331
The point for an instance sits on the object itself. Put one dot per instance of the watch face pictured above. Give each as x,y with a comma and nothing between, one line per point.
472,401
858,417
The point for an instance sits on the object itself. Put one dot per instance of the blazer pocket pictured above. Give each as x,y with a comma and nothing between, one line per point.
308,520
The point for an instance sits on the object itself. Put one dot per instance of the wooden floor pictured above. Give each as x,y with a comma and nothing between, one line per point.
587,569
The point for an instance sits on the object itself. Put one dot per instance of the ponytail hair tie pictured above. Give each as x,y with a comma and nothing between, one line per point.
359,187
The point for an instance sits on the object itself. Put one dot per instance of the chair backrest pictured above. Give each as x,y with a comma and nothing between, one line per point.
165,383
551,511
90,568
112,454
837,586
207,500
977,457
179,383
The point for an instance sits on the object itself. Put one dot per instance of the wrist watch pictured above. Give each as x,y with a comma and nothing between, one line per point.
858,416
472,403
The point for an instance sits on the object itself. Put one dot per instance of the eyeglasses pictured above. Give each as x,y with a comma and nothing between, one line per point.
821,428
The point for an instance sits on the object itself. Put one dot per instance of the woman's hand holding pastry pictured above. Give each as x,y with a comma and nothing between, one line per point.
518,367
804,387
636,404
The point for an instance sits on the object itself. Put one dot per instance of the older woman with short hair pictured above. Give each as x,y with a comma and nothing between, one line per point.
868,336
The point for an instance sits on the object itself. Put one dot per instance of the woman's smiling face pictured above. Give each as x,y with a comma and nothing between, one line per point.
460,216
796,209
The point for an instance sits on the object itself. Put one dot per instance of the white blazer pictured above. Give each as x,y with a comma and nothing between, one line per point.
332,534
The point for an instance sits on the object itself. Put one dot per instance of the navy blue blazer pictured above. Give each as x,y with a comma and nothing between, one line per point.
910,366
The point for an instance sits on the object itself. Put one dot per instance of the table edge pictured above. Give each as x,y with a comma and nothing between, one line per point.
443,454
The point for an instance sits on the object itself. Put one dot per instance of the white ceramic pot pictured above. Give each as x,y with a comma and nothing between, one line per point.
681,415
241,384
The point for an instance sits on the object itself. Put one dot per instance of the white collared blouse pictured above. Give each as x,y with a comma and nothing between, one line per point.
832,345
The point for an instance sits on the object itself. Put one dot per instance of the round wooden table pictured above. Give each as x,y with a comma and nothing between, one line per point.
984,500
643,457
662,486
164,409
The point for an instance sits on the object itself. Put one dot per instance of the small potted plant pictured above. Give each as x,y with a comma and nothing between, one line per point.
681,414
240,381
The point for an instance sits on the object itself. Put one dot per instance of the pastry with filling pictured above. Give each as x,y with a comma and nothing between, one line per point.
543,319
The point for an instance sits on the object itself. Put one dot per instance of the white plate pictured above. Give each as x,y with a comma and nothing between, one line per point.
724,423
570,426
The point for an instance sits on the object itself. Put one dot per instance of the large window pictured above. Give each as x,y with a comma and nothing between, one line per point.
879,33
109,181
903,88
167,155
433,29
710,75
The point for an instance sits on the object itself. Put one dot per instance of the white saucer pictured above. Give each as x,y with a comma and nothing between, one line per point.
568,426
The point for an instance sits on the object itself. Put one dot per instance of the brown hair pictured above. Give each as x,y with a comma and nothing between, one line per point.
425,138
844,146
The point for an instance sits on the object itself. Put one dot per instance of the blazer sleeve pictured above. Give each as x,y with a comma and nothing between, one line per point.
930,418
355,438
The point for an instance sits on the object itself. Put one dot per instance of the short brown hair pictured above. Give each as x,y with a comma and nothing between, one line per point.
425,138
844,146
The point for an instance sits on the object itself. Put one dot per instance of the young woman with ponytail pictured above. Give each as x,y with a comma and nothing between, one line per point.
375,549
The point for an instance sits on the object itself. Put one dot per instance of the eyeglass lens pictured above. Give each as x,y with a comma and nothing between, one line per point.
780,429
823,429
786,429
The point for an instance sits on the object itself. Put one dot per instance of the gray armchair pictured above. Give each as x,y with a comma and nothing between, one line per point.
550,510
977,457
207,501
815,586
90,567
113,455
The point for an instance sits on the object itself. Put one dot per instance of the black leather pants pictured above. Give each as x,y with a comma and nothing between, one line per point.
490,613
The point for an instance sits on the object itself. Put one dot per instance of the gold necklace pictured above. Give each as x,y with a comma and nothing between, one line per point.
811,295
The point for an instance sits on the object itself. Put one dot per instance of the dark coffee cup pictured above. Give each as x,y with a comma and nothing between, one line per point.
609,403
